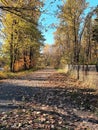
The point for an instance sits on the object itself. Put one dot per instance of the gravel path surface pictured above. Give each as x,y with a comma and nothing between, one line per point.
47,100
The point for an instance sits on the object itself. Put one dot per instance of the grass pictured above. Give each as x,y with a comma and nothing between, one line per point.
62,70
6,75
89,80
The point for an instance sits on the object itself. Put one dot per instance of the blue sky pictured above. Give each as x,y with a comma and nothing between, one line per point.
49,17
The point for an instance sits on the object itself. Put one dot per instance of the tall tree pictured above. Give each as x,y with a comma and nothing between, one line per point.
95,39
71,15
23,37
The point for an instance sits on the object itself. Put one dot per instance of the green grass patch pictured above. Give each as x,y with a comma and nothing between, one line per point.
61,70
6,75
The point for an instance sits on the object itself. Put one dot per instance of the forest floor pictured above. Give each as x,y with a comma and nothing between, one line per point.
47,100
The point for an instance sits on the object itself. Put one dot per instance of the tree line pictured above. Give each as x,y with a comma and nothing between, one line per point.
23,38
76,37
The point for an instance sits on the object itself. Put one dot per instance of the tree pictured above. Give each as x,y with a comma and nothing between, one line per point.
71,17
72,13
25,39
95,40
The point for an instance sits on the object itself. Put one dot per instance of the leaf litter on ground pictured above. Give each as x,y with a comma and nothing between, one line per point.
62,104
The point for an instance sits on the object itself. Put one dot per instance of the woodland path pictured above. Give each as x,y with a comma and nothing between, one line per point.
47,100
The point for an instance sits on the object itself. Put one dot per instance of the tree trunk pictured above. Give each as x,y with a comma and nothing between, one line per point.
25,65
30,57
11,54
76,50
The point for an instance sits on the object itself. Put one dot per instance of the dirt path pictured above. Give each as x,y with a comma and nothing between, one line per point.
47,100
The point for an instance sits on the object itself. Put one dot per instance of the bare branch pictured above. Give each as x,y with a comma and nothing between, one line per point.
88,17
16,11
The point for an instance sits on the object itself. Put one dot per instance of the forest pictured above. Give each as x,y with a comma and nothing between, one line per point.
22,37
76,36
47,86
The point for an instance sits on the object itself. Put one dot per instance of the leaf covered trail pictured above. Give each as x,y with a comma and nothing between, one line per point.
47,100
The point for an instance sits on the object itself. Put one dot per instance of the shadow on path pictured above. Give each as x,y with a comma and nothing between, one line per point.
65,102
